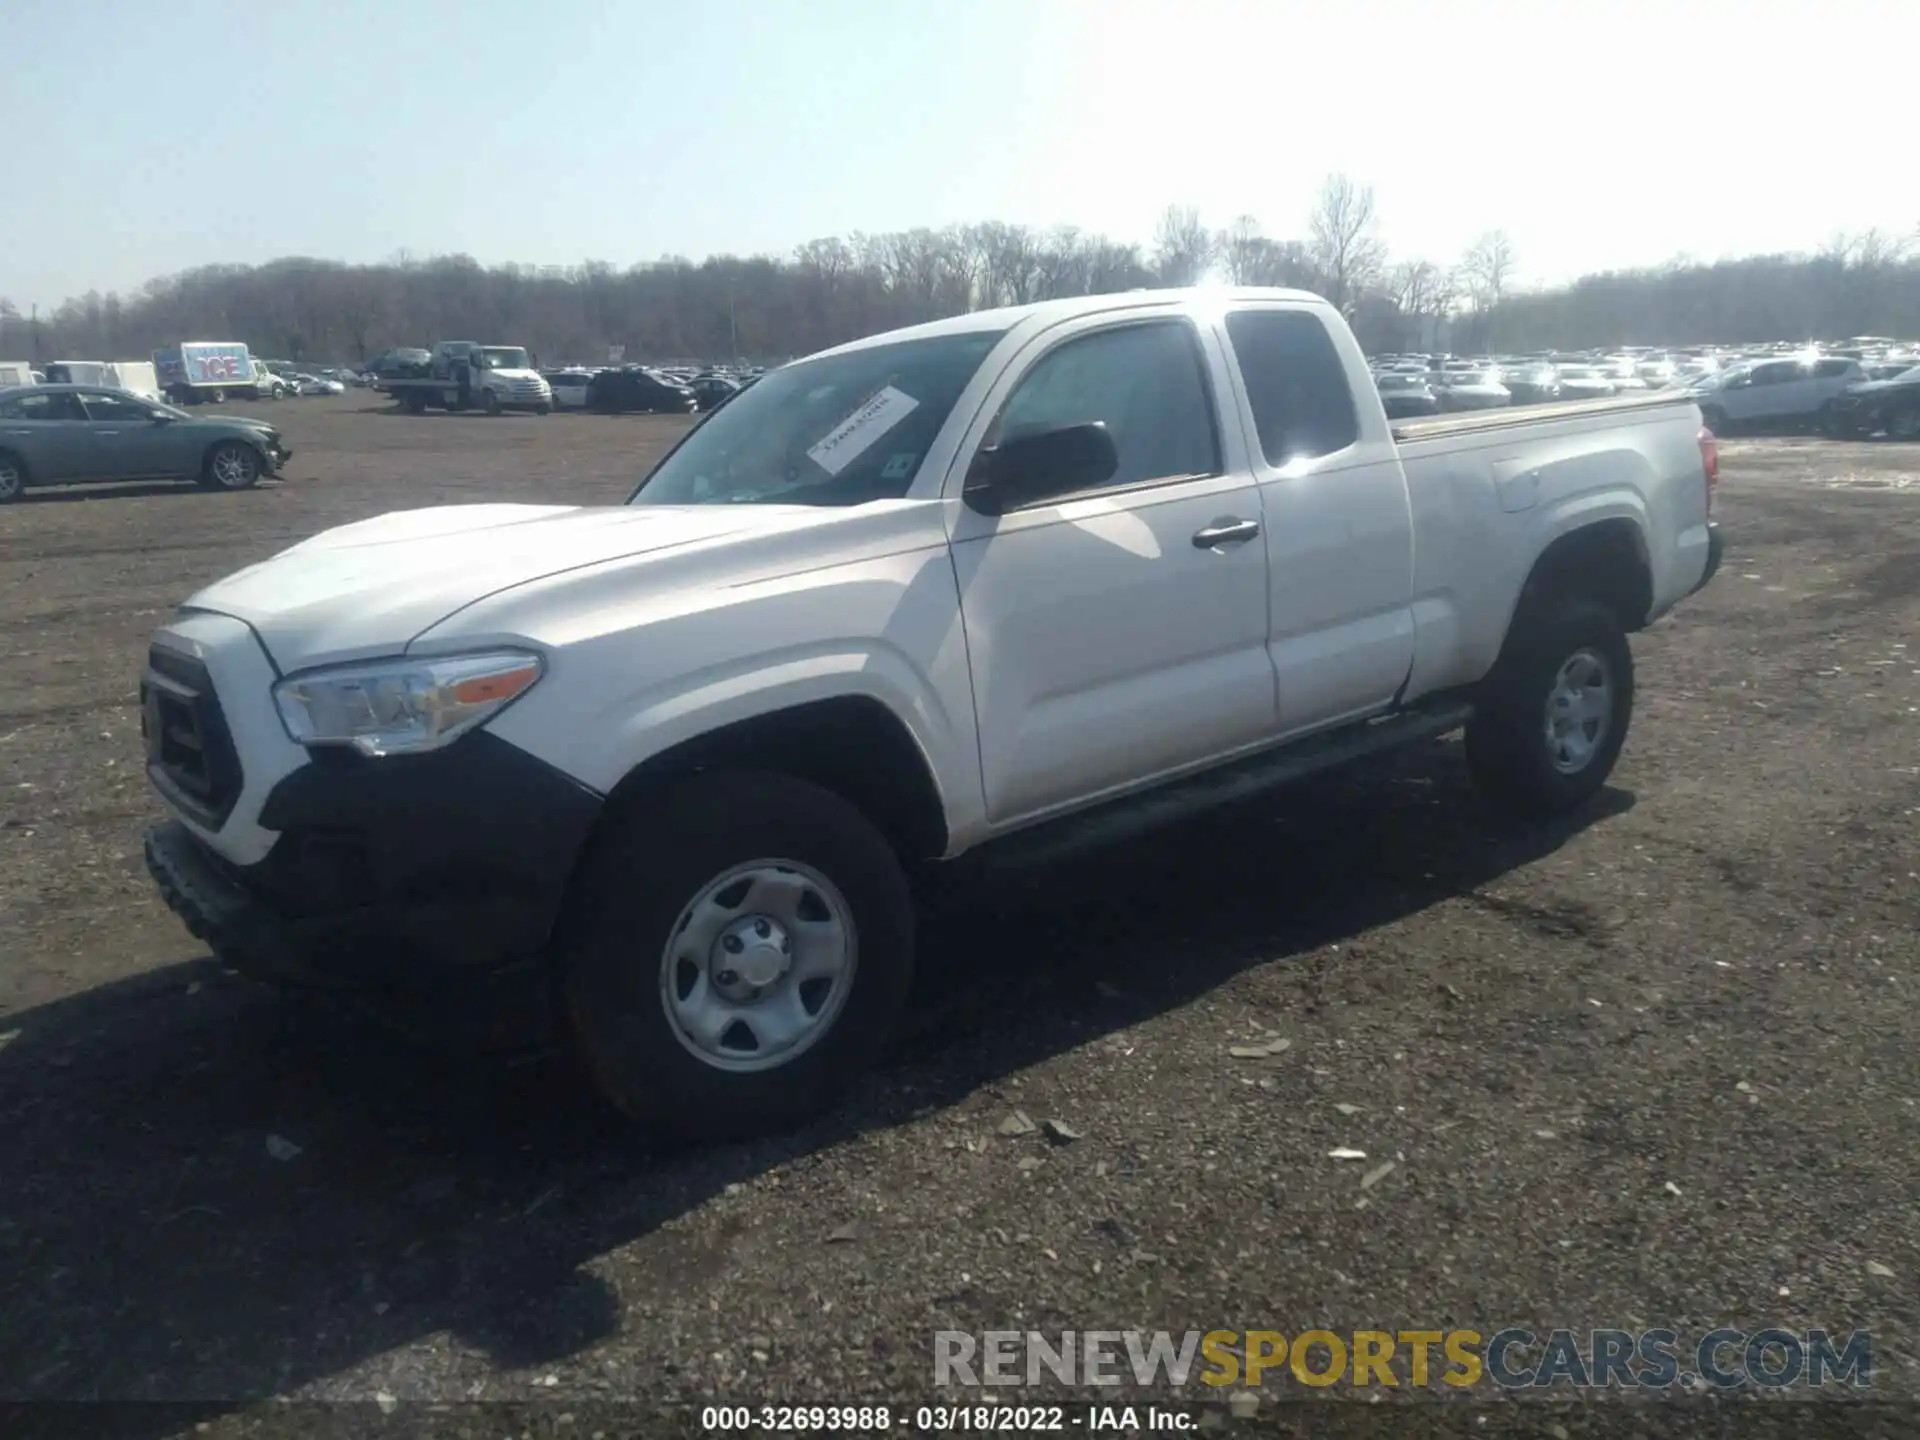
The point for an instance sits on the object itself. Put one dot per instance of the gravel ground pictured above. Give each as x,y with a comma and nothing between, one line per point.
1653,1066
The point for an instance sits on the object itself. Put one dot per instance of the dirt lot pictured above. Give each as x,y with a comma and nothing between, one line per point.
1652,1067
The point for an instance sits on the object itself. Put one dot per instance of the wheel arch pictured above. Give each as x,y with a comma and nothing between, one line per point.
26,470
853,745
1605,560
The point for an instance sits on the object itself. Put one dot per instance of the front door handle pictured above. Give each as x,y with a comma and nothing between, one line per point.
105,434
1225,531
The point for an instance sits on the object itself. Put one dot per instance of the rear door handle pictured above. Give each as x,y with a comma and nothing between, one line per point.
1227,530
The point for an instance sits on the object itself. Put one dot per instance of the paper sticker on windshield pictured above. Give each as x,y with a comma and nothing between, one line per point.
898,467
860,431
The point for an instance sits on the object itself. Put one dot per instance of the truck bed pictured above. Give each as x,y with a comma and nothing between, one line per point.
1473,422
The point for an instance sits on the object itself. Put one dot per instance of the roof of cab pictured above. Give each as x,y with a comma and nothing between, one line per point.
1053,312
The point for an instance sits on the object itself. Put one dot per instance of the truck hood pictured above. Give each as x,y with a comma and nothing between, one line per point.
370,588
518,374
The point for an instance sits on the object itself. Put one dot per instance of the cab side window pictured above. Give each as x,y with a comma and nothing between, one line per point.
1296,384
1145,382
59,405
124,408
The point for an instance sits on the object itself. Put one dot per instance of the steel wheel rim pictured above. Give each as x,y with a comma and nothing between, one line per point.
10,484
1579,711
758,966
232,468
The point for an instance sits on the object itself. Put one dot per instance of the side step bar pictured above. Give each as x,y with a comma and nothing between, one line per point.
1134,815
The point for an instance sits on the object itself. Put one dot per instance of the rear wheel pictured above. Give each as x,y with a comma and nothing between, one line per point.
1551,717
414,402
746,944
13,477
231,465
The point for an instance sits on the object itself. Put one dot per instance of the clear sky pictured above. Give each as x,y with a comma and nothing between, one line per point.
146,136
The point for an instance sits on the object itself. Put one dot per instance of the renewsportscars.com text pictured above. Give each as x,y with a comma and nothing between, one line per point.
1512,1358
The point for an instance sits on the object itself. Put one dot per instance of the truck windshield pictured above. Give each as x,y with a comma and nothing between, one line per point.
840,430
506,357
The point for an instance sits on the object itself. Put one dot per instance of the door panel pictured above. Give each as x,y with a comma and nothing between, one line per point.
125,443
49,431
1107,647
1339,522
1108,644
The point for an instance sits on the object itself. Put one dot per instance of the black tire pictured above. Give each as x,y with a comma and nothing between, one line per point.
543,409
414,403
1509,752
217,397
491,403
647,871
231,465
1904,424
13,477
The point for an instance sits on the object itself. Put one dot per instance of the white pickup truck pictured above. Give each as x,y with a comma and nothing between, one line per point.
657,776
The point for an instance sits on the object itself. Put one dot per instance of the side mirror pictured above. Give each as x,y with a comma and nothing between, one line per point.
1038,466
160,417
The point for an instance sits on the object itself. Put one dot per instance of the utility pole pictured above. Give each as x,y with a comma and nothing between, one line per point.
733,322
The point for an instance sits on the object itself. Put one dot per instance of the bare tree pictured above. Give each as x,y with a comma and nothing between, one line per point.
1182,246
1341,241
1239,250
1486,269
834,289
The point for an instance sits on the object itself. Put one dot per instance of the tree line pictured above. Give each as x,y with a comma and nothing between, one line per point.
835,289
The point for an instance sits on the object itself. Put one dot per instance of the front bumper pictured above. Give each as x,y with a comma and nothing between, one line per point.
1716,548
424,887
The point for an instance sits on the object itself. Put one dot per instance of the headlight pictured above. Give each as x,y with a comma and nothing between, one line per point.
400,707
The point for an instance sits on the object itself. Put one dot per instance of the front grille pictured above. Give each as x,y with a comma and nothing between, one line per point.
190,753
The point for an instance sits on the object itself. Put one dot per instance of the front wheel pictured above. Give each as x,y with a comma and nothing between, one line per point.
492,403
1905,425
745,946
232,465
1551,717
543,409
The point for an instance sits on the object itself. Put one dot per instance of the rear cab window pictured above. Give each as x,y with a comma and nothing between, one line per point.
1296,384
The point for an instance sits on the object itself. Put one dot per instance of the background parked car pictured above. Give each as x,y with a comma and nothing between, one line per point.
569,387
1583,382
631,389
713,391
320,385
53,434
1789,393
1531,384
1472,390
1406,395
1874,406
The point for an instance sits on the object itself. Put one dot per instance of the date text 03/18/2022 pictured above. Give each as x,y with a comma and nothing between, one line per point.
946,1419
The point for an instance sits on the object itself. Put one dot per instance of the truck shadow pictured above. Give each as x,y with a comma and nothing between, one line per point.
159,1246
